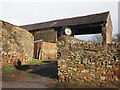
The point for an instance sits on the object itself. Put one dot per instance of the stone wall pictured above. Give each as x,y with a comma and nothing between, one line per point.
48,35
49,50
0,46
17,44
82,61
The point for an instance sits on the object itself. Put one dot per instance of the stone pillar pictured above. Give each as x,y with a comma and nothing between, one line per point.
103,35
106,35
108,28
107,31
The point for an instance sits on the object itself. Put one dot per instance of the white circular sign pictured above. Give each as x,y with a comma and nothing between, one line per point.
68,31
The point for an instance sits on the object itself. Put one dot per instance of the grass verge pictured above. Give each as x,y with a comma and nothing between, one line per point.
37,61
8,68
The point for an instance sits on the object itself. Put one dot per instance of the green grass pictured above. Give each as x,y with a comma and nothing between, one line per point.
37,61
8,68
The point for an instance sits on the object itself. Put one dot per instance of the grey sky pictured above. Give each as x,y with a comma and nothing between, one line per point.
22,13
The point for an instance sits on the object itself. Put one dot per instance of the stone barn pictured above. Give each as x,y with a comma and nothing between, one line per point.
90,24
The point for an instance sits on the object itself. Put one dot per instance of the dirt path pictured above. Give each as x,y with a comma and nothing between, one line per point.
31,76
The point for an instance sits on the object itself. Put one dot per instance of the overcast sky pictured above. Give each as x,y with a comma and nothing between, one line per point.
29,12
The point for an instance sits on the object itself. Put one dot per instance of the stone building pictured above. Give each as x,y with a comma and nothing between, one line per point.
45,50
90,24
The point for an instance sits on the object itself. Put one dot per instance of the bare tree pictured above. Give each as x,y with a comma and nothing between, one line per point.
96,39
116,37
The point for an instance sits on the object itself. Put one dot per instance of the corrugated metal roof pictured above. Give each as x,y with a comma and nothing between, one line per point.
38,41
94,18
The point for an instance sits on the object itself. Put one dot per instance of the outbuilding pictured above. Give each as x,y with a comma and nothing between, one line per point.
90,24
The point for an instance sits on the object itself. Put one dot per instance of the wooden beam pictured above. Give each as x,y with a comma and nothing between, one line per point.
100,24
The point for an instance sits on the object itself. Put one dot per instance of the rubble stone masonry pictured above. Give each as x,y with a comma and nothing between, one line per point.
17,44
81,61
